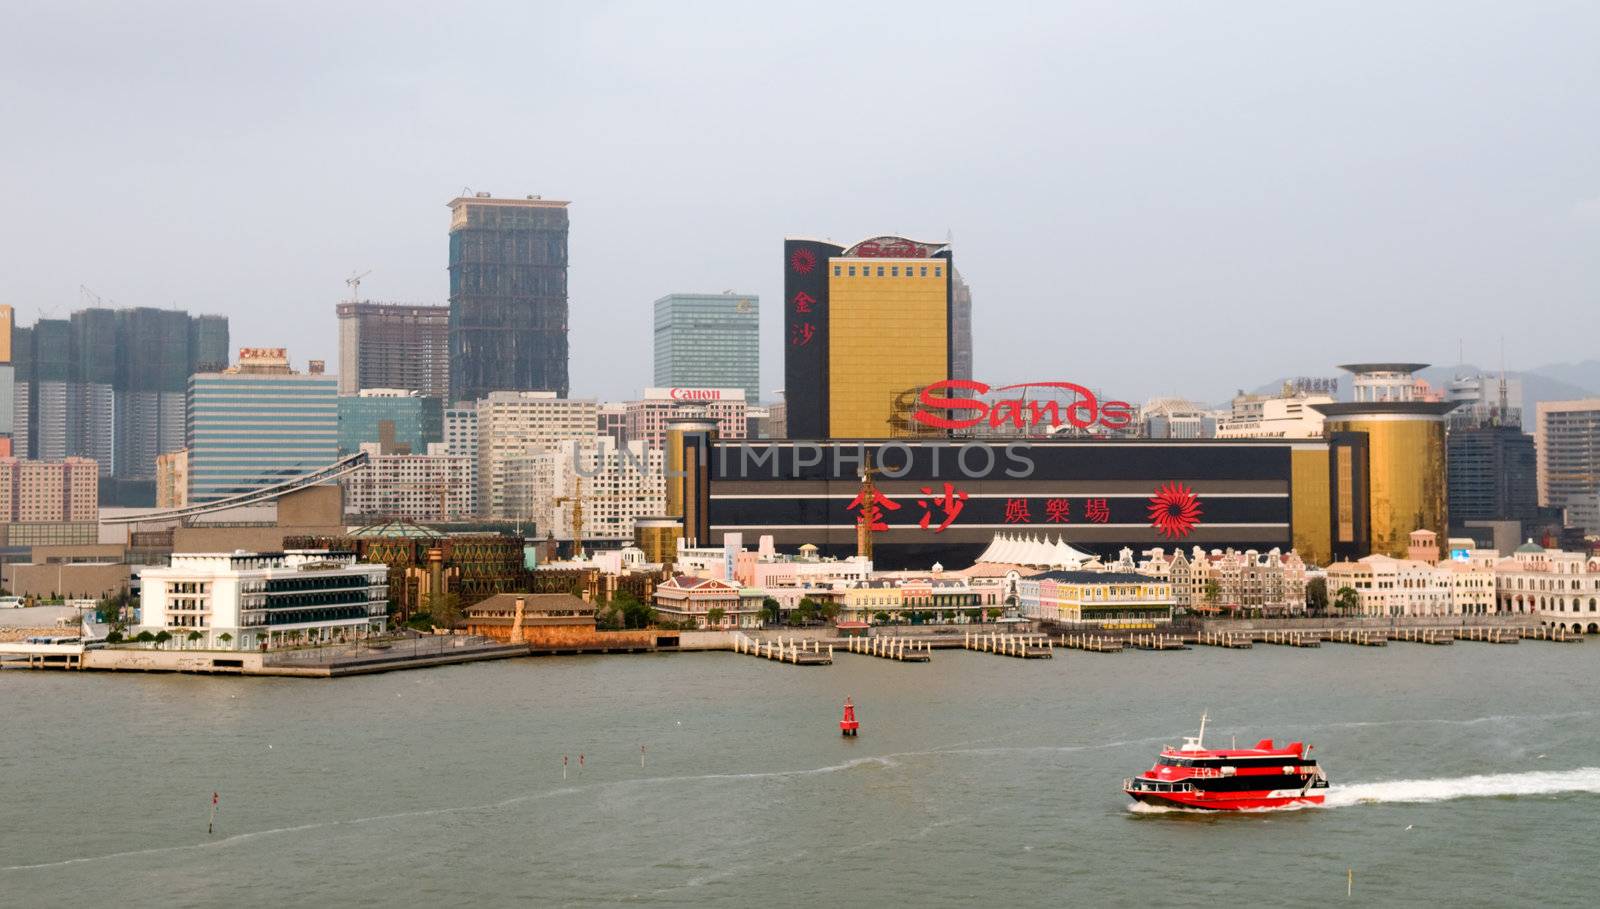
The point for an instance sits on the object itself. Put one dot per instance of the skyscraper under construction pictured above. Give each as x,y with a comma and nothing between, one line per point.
508,296
109,384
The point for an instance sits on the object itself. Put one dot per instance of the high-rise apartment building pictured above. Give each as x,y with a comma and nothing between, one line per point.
461,440
514,424
1567,436
48,502
428,486
508,296
395,418
615,484
258,424
172,479
612,421
709,341
1493,473
865,329
646,420
109,385
394,345
960,327
7,379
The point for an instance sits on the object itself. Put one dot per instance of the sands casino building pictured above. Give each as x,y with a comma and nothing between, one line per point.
954,461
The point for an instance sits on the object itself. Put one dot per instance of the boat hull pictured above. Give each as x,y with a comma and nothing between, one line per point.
1231,801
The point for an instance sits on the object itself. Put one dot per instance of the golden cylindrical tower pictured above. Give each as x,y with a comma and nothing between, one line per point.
658,537
688,466
1405,453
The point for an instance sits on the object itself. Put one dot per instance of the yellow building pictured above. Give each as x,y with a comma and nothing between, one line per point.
866,327
889,332
865,599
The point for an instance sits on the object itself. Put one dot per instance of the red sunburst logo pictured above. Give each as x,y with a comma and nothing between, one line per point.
1174,510
802,261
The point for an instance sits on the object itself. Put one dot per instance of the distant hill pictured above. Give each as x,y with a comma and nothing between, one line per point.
1561,382
1536,386
1581,375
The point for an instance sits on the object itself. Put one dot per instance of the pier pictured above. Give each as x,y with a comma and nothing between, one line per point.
890,649
1156,641
1556,634
1358,636
1292,638
800,653
1093,643
1489,635
1022,646
1235,640
1424,635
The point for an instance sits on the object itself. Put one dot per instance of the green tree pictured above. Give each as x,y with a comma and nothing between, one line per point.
829,611
715,615
114,637
225,638
109,609
974,614
1213,593
634,612
195,636
444,606
993,613
881,617
145,637
162,637
1317,596
805,613
770,611
1346,600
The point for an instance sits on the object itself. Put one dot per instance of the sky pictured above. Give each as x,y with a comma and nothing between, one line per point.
1147,198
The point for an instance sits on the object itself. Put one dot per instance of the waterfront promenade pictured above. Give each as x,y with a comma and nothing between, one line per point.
809,646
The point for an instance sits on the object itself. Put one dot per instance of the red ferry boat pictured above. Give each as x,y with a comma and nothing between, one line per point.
1232,779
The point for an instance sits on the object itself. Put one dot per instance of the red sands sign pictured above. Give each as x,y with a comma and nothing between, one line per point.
940,405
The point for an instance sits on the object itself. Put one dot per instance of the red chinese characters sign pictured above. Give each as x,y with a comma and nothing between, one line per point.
943,507
1173,511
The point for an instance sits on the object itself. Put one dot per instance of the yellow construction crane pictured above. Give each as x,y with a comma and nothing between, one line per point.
576,500
869,498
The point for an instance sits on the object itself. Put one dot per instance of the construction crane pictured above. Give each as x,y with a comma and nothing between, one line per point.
355,285
869,507
576,500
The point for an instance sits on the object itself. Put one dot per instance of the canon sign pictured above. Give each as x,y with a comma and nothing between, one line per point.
694,394
941,409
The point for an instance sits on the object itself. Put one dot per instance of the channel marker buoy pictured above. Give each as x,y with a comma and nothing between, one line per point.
848,725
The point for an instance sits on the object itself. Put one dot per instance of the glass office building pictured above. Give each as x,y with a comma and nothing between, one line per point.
393,418
250,430
709,341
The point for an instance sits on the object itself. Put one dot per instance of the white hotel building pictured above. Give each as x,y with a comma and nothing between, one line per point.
240,600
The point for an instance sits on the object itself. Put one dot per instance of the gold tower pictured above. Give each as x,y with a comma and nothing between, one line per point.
1405,480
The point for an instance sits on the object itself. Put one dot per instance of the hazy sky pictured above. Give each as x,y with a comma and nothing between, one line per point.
1149,198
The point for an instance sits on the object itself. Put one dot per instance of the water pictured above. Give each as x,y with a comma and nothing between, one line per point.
1464,776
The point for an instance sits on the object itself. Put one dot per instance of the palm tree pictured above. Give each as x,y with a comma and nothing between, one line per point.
195,636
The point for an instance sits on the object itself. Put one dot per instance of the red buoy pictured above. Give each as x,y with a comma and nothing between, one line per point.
848,725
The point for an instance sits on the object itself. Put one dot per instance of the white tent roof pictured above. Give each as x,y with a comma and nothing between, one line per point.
1033,551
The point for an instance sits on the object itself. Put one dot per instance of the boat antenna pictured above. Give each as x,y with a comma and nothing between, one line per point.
1200,739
